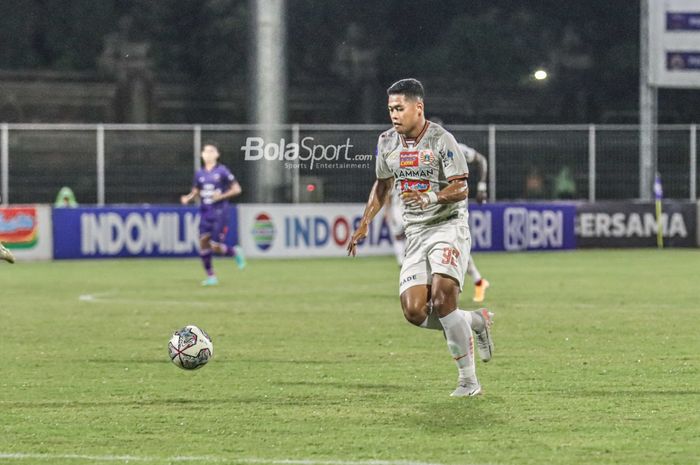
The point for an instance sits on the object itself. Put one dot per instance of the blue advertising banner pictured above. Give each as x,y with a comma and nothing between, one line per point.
683,60
682,21
149,231
526,226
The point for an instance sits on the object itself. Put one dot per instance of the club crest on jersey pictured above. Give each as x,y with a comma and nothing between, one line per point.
410,185
407,158
426,157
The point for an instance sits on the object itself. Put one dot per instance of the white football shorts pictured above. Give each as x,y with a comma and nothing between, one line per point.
443,248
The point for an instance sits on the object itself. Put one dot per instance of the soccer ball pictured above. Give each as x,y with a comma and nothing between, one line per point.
190,348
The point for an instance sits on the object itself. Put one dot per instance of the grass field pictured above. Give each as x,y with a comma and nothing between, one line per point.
597,361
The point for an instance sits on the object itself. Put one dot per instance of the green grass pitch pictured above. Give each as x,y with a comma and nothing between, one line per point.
597,362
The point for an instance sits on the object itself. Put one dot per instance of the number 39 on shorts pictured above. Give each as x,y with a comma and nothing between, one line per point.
450,256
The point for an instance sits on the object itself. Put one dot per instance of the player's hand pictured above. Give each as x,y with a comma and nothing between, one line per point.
184,199
413,198
359,234
481,197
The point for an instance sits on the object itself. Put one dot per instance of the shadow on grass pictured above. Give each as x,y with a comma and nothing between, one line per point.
459,414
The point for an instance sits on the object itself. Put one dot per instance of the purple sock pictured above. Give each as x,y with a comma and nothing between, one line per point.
228,250
205,255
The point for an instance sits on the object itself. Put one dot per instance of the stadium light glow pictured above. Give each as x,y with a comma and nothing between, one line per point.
540,75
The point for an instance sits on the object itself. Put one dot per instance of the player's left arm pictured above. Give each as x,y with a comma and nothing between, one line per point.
233,191
456,191
234,188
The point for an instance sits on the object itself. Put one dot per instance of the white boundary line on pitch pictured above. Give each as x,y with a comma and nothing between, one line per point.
204,458
107,298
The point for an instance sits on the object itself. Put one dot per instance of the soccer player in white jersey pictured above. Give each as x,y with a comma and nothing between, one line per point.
480,284
425,163
393,211
6,254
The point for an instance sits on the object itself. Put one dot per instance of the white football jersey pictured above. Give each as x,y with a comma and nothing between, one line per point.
425,164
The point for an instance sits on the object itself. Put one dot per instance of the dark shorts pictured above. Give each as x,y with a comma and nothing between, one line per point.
214,223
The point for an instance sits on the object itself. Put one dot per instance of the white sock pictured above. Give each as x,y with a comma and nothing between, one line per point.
475,322
399,249
468,316
473,271
474,319
460,342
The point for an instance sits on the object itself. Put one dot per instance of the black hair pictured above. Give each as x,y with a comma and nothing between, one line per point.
410,88
212,143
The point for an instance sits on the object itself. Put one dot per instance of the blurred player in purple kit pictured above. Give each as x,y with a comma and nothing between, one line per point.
214,184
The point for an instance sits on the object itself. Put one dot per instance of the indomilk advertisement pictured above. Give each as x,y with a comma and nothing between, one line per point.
153,231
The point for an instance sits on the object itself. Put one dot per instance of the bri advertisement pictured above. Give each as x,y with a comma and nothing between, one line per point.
515,227
149,231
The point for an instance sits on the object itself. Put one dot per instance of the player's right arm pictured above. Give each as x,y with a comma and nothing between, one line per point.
473,156
185,199
377,198
388,205
194,192
483,172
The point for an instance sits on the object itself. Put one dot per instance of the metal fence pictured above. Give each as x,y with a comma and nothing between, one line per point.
155,163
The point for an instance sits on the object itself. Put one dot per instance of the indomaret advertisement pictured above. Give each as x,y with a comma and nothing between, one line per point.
310,230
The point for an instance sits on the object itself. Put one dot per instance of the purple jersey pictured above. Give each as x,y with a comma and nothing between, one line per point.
213,219
216,181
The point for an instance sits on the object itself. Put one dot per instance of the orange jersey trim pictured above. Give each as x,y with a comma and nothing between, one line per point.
420,136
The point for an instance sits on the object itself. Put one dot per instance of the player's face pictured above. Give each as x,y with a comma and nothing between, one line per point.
210,154
406,113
